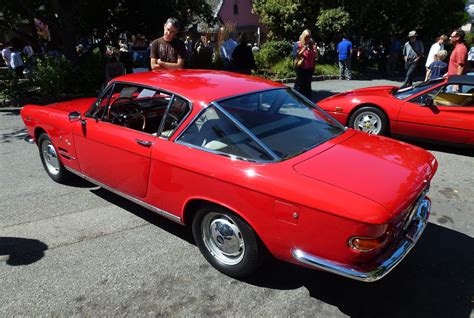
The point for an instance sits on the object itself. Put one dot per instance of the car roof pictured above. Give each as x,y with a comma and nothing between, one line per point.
200,85
461,79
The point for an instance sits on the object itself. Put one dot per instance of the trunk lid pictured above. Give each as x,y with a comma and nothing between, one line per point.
388,172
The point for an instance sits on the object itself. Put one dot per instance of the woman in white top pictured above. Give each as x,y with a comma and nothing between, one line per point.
435,48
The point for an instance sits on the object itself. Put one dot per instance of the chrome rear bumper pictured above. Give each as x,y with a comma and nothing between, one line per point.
386,262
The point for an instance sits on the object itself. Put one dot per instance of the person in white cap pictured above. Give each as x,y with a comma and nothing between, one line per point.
412,53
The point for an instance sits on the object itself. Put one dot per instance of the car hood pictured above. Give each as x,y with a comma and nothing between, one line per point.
369,91
388,172
81,104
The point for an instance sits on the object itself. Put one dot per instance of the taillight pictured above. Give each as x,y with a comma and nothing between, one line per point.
367,244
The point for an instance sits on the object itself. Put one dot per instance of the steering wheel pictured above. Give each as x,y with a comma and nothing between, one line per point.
126,113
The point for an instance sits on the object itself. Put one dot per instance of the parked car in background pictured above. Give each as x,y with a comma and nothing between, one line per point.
440,111
251,166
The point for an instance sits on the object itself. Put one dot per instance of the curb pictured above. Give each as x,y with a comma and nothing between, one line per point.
315,78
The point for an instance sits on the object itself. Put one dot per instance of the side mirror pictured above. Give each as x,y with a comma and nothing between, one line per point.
428,101
74,116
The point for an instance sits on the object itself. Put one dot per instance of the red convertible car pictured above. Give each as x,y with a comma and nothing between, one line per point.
440,111
250,165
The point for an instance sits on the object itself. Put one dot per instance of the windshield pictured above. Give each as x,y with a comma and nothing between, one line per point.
406,92
282,120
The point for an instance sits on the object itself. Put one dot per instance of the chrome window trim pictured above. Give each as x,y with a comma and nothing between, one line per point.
150,207
204,108
246,131
156,88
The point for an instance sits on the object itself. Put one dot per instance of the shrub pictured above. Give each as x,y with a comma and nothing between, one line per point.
271,53
284,69
326,69
58,76
11,87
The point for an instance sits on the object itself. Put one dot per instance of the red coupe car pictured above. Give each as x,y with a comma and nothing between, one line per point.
440,111
251,166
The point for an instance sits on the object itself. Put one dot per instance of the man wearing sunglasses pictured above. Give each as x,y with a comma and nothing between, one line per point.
458,59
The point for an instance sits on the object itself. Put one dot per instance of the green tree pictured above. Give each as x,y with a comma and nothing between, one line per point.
333,20
369,18
286,19
70,20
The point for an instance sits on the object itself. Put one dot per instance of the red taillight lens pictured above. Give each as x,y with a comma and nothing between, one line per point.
367,244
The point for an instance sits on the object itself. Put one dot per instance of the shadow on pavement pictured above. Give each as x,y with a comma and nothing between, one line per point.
18,134
11,111
22,251
147,215
434,280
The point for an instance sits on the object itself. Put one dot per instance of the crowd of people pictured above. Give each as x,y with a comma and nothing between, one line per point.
15,55
237,54
306,53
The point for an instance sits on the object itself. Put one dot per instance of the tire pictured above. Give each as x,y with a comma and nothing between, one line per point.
370,120
51,161
227,242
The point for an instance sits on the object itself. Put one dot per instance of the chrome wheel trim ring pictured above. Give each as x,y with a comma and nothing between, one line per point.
50,157
222,238
368,122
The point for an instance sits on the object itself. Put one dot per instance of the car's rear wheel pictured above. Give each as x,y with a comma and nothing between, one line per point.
370,120
51,161
227,242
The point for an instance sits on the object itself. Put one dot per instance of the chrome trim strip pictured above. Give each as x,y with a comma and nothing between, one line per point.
386,262
165,214
66,155
246,131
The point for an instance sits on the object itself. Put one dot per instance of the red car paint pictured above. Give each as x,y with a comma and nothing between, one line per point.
408,118
352,185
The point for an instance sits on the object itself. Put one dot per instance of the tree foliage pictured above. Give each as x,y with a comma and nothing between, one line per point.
72,20
369,18
333,20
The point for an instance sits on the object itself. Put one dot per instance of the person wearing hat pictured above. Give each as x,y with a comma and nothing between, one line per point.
412,53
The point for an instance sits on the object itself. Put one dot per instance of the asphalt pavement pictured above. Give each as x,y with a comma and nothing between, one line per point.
80,250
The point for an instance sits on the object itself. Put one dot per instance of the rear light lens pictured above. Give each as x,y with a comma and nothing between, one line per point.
367,244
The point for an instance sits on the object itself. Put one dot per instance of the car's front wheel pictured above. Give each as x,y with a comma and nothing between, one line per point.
227,242
50,159
370,120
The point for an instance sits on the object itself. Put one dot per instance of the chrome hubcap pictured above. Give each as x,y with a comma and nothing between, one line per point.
368,122
50,157
223,238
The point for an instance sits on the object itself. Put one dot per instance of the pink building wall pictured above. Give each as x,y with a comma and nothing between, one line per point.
245,20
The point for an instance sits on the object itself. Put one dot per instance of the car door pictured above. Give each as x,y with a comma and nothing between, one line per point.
111,150
439,115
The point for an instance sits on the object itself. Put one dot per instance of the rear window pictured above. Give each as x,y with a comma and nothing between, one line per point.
285,122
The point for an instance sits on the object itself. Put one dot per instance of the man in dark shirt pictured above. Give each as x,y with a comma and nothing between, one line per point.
168,52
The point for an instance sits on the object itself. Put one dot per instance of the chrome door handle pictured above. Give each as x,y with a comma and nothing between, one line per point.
144,143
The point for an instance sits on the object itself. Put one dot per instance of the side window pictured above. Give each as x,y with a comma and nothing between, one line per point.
179,108
99,107
455,95
431,94
212,130
137,107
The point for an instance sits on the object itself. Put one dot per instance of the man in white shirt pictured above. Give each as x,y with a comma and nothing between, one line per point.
435,48
6,54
